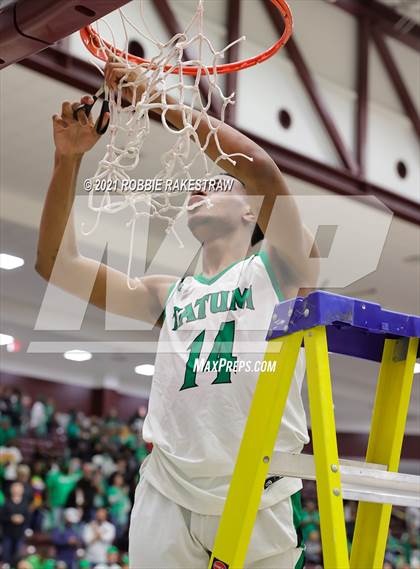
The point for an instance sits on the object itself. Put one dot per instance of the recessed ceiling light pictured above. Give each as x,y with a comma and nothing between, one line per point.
9,262
78,355
5,339
416,368
145,369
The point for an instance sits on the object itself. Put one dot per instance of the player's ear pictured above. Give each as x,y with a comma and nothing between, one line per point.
249,217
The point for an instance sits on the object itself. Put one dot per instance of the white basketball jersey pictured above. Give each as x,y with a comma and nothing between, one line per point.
210,351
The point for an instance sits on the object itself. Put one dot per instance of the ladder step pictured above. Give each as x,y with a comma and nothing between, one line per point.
361,481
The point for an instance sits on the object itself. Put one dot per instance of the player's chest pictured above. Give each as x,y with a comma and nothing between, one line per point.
202,307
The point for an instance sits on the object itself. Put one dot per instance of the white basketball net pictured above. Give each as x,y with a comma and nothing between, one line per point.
130,125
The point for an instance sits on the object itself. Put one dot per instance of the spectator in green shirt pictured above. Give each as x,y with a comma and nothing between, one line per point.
410,542
127,438
141,450
112,419
49,413
394,548
73,432
7,432
119,502
38,561
60,482
310,519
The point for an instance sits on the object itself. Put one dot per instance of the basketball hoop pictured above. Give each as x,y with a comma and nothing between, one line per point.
95,44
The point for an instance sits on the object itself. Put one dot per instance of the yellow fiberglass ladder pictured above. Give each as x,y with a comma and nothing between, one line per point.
325,323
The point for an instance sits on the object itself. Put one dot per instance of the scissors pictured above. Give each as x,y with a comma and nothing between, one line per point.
87,108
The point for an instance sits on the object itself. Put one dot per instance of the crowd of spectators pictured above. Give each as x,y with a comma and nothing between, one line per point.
403,546
66,505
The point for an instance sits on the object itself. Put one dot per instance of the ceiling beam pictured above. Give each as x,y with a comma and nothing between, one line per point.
173,27
384,17
336,180
82,75
362,78
233,20
396,79
312,90
320,106
61,66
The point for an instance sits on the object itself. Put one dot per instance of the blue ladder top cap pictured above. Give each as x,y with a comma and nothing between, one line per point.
341,313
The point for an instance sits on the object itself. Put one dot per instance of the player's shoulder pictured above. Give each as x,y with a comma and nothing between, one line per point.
277,269
160,286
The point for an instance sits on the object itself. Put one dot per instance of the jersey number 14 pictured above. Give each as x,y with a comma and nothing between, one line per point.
220,358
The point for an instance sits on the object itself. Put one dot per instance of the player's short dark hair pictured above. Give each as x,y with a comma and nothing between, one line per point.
257,234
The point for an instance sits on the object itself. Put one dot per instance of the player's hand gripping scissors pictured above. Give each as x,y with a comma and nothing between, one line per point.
101,128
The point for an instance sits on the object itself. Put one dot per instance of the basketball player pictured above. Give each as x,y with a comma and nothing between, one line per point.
196,414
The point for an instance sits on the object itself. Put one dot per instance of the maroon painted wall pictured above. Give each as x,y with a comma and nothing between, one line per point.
67,397
355,445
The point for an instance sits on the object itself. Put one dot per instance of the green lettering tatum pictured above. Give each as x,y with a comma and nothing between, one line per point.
215,302
239,299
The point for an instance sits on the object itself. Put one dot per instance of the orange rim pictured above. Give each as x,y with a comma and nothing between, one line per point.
93,42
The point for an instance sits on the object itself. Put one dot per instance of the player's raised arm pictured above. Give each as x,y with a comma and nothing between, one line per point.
288,241
58,258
